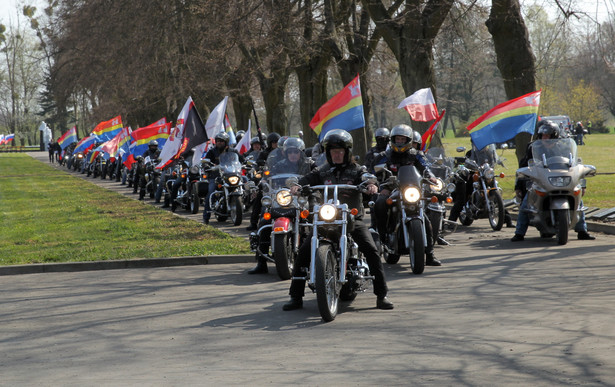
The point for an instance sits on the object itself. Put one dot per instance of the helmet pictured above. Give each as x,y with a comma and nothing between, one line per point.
549,128
239,135
337,138
222,136
255,140
416,138
281,141
294,143
272,138
153,143
382,132
401,130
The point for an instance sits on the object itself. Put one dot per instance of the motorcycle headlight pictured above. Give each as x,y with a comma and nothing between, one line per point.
489,173
266,201
327,212
451,187
412,194
284,198
233,180
438,187
560,181
194,169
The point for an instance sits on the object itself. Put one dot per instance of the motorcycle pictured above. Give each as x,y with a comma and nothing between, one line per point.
406,233
555,194
442,167
285,216
337,271
227,199
150,178
485,200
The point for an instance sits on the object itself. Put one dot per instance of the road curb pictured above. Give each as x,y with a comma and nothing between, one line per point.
39,268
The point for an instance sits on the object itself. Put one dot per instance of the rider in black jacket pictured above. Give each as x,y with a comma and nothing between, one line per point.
399,154
340,169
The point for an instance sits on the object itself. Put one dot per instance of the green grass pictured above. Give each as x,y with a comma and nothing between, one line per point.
599,151
47,215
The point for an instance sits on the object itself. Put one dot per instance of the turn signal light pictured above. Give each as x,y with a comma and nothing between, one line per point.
475,177
502,175
434,199
305,214
540,193
278,229
267,216
449,199
389,201
354,212
267,173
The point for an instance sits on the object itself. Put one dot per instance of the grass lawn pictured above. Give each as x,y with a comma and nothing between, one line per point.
47,215
599,151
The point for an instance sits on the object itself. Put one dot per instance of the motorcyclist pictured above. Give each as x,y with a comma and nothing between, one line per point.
295,162
546,130
263,158
139,178
277,154
222,145
272,143
255,147
340,169
239,135
375,155
399,154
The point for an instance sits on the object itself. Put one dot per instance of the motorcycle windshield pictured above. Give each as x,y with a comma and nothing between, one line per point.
229,163
559,153
274,157
408,175
440,165
485,155
283,180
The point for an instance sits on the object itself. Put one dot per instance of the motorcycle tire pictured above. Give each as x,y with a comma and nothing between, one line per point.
562,222
417,247
496,215
283,255
326,283
194,201
236,210
389,257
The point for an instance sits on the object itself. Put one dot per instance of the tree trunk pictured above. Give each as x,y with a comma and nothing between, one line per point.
515,58
312,78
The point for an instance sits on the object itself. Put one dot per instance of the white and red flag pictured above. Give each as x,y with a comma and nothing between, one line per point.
244,144
421,105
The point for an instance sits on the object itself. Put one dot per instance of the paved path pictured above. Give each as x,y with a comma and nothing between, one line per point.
497,313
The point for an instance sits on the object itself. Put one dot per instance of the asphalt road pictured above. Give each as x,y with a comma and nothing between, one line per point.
497,313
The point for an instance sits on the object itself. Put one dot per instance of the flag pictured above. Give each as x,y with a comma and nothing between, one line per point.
428,135
244,144
174,145
85,144
343,111
421,105
111,147
106,130
1,139
8,138
214,125
68,138
506,120
95,153
142,136
229,129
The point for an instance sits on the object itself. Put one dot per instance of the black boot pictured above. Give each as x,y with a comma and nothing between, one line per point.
431,260
260,268
384,303
585,236
294,303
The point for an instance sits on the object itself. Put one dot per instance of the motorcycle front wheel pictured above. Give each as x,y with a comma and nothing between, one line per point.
496,214
236,209
326,285
417,246
194,200
465,218
562,221
283,255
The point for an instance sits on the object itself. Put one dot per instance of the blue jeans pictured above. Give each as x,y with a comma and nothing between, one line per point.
523,220
581,225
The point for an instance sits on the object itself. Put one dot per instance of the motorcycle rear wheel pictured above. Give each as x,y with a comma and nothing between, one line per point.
496,215
326,285
417,247
561,217
465,218
283,255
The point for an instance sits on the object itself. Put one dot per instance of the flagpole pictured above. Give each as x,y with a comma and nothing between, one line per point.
258,127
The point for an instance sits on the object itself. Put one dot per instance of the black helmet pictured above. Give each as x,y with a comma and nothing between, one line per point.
255,140
550,128
294,143
337,138
272,138
222,136
401,130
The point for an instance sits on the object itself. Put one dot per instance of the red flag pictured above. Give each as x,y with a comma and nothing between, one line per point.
421,105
